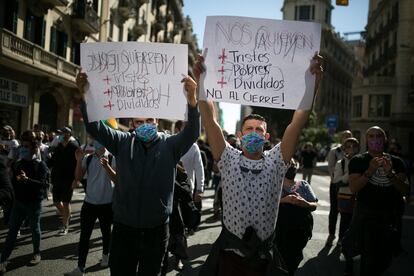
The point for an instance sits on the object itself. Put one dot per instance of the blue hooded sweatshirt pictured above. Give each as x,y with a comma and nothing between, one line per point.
143,193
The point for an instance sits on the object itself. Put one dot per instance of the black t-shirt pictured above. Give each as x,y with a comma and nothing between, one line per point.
33,189
308,158
379,193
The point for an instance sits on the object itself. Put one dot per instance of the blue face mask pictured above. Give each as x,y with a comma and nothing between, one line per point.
61,138
98,146
146,132
24,153
252,142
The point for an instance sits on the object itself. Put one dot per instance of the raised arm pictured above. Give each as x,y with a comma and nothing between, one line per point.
183,141
110,170
214,133
105,135
79,171
300,117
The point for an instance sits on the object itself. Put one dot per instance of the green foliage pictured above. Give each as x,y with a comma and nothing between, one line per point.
315,135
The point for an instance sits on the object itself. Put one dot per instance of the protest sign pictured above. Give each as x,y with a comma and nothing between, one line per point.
132,79
260,62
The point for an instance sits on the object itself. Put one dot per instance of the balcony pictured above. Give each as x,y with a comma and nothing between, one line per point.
41,7
55,3
379,80
20,51
85,18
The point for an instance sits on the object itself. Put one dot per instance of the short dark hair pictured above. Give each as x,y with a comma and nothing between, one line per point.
253,117
179,124
29,136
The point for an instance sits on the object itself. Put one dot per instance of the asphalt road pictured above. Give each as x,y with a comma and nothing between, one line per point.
59,253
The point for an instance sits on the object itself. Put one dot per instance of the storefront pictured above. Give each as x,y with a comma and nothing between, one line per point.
14,101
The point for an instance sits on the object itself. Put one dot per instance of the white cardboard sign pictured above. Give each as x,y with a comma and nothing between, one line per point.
260,62
132,79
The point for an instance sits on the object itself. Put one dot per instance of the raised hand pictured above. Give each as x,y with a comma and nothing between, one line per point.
199,68
81,81
22,177
104,162
317,69
190,86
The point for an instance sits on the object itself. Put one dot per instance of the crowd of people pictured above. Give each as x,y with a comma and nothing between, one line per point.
146,187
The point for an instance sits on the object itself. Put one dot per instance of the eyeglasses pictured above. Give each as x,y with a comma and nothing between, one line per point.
253,171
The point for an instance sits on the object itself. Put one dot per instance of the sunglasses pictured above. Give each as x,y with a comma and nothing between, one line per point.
246,170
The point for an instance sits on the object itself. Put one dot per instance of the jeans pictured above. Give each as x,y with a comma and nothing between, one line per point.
144,247
333,211
307,174
20,211
89,214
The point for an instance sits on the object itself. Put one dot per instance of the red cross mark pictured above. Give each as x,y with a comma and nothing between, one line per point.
109,105
222,56
107,79
221,70
108,92
221,82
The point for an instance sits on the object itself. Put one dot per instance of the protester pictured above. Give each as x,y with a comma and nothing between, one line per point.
193,165
184,215
308,159
29,178
345,198
6,188
100,166
295,222
63,164
209,161
251,183
42,148
143,196
334,155
8,144
378,179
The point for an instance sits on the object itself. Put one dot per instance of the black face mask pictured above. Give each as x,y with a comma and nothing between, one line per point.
290,173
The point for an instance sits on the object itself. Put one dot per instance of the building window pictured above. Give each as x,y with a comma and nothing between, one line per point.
111,26
379,106
121,33
305,12
34,29
75,53
327,16
357,106
58,41
8,15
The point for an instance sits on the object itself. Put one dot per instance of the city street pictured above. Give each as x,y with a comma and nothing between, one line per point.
59,253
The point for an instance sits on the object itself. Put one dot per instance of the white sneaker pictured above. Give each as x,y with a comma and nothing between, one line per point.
76,272
63,231
36,259
105,260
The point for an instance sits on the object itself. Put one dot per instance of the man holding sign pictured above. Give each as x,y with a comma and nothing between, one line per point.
252,185
142,203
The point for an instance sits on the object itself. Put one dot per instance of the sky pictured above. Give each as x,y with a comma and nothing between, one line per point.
345,19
